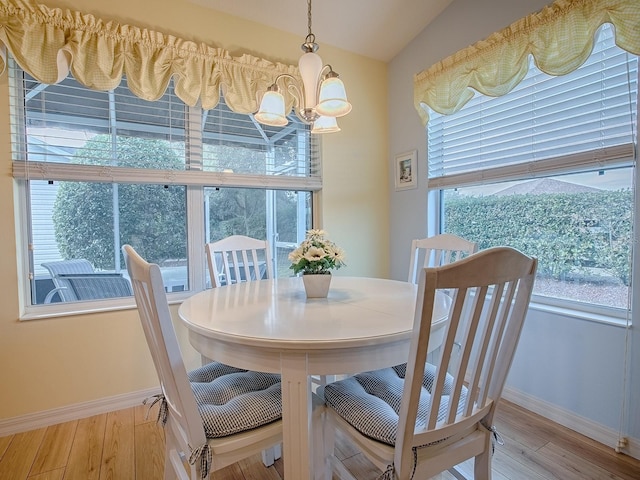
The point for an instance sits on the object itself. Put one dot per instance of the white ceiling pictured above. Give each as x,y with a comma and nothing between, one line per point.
377,29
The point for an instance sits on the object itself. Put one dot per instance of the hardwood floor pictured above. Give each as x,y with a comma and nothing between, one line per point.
123,445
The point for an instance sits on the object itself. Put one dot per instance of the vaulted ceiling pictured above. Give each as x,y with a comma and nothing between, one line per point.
377,29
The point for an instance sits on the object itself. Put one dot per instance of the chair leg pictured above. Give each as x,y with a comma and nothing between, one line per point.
270,455
454,471
331,463
174,466
482,462
169,471
321,467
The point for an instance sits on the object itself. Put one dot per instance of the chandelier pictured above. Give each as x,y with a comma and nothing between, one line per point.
319,100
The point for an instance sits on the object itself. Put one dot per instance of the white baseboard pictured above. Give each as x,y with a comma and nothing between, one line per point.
32,421
633,449
77,411
586,427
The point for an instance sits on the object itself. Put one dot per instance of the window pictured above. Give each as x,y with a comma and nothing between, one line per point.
103,169
548,169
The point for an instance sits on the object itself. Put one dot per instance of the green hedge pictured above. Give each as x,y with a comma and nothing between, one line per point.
568,233
83,211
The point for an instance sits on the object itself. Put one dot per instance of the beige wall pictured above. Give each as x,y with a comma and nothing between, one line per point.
45,364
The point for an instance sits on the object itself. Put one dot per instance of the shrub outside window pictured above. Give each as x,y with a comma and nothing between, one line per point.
581,234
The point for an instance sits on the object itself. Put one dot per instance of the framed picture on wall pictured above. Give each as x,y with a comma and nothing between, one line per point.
407,170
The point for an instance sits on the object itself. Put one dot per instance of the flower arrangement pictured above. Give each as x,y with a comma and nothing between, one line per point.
316,255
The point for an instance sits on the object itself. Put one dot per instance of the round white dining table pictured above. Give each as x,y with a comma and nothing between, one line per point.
270,326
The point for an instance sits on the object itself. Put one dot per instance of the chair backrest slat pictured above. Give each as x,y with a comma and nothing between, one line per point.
238,258
481,371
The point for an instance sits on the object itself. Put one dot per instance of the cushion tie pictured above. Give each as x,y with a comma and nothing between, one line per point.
496,437
162,413
203,453
388,474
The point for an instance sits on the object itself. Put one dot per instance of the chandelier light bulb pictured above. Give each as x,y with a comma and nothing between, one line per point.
271,110
333,98
325,125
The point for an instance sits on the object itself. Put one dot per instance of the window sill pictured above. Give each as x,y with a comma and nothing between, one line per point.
57,310
608,316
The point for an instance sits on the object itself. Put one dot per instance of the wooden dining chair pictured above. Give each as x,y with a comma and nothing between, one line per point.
438,250
418,419
238,258
215,415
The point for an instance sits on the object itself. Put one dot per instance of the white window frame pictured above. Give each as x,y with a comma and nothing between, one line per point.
610,157
194,184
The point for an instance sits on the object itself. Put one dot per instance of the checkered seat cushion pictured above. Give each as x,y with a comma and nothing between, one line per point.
231,400
370,401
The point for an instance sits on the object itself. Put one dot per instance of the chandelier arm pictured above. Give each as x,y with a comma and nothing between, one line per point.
293,88
296,92
322,77
331,72
306,115
284,75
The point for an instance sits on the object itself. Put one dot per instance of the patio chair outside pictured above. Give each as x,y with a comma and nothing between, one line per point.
76,279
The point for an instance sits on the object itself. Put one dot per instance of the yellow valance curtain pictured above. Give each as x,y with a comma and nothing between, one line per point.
560,37
49,42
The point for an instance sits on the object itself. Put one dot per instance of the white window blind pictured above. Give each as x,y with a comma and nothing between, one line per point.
218,147
583,120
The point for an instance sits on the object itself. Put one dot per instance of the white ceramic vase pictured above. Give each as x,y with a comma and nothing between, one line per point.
317,285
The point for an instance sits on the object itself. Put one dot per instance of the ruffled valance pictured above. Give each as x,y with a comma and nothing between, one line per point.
49,42
560,37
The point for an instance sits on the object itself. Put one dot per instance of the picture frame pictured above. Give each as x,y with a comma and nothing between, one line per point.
406,170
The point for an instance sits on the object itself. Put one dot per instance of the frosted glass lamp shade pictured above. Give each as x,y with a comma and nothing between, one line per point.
271,110
310,66
325,125
333,98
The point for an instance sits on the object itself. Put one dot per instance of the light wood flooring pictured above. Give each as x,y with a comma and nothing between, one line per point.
123,445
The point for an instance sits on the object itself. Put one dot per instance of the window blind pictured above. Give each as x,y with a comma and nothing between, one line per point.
68,132
582,120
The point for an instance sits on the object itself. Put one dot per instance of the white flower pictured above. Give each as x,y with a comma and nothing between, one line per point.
336,253
315,233
296,255
315,254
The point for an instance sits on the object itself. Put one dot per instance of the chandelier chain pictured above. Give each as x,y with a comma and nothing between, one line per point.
309,17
